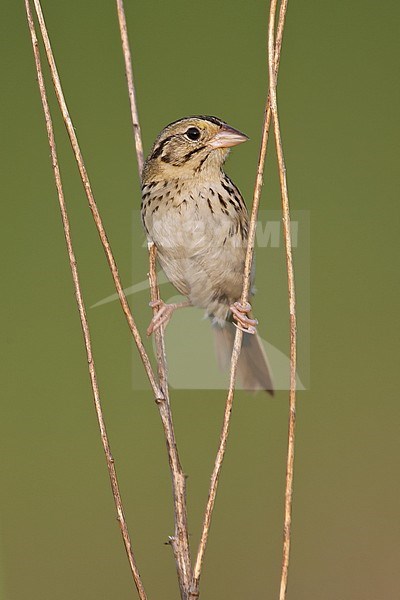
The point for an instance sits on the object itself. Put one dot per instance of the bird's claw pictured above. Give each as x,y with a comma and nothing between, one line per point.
244,323
163,314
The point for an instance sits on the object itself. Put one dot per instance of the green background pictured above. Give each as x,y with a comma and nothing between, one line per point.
339,98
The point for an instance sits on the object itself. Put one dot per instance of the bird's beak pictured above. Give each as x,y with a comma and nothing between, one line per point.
227,137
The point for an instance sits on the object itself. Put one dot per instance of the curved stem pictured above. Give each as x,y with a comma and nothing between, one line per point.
292,307
82,315
180,540
194,589
92,203
131,85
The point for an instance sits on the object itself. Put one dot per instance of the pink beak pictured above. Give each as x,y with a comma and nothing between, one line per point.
227,137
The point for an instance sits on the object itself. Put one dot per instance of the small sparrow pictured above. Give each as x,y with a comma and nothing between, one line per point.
196,217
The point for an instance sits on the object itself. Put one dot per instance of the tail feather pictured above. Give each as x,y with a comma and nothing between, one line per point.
254,372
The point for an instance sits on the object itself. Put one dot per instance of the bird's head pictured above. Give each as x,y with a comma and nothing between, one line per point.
191,147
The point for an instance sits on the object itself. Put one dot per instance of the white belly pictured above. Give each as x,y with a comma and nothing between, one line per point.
201,253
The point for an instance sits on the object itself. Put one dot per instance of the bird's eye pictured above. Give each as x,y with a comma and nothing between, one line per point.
193,134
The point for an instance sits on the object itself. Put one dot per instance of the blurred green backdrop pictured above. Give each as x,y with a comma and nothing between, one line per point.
339,98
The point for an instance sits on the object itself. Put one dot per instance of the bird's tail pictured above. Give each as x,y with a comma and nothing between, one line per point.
254,372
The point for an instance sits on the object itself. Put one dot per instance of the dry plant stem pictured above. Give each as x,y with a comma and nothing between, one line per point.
131,87
82,313
239,335
159,332
92,204
180,540
194,587
292,306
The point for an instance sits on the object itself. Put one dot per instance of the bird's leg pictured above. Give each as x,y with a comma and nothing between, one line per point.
240,312
163,314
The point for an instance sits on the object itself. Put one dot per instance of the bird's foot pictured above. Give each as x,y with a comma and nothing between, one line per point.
163,314
243,322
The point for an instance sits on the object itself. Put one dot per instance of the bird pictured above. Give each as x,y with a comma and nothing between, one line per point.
197,219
